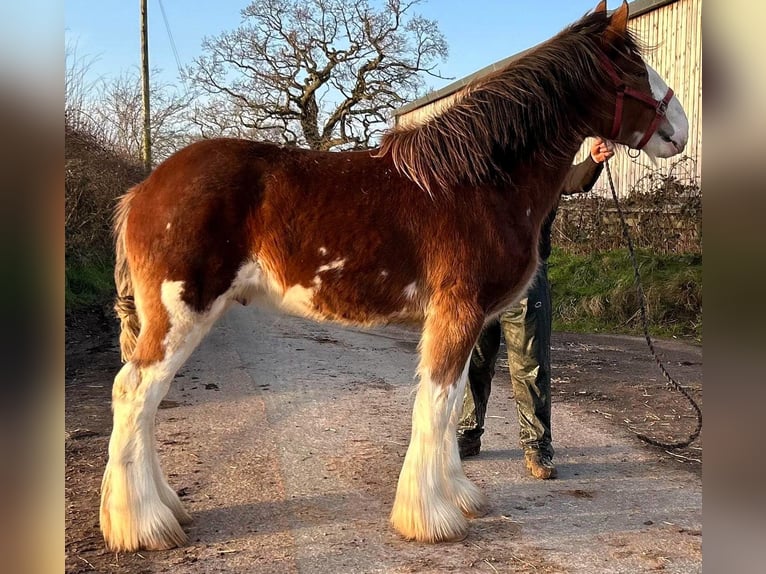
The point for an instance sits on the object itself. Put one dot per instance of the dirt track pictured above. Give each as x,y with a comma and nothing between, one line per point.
285,439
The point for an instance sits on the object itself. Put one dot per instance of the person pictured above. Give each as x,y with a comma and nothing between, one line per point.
527,328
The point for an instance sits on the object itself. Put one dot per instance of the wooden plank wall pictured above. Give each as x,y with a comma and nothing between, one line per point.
673,37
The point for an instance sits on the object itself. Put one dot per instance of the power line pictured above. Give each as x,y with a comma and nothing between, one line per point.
173,46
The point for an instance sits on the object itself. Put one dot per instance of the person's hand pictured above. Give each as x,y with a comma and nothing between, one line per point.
601,151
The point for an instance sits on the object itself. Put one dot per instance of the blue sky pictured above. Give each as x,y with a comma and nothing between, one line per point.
479,32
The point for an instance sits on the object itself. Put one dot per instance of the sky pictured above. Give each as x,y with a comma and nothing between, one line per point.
105,33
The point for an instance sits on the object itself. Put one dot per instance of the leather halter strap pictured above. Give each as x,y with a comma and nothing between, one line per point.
660,106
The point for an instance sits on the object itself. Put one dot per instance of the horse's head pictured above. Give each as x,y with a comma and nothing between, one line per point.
646,114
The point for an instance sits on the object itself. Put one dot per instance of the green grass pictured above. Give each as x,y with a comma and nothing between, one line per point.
88,283
597,294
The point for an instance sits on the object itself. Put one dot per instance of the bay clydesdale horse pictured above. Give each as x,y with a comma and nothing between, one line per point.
439,224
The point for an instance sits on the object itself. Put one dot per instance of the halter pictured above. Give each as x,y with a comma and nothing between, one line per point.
660,106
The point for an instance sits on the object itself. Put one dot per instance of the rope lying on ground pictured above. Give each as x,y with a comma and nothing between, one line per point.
645,323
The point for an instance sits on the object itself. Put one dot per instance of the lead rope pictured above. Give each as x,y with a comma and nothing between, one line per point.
645,323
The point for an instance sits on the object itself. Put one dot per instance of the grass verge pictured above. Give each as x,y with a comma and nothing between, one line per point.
89,283
596,293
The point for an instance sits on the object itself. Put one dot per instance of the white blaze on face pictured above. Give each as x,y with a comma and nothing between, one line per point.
672,133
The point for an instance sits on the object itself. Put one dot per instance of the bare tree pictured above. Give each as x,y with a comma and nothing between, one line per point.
118,112
223,117
108,109
77,88
320,73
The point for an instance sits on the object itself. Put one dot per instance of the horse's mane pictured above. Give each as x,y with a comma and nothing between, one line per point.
505,117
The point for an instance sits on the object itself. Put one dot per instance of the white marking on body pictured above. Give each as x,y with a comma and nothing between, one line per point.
323,251
410,291
337,264
254,283
529,211
299,299
384,273
167,227
187,327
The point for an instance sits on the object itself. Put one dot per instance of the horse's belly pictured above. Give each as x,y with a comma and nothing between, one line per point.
349,298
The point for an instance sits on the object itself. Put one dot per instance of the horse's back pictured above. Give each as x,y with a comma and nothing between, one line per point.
322,233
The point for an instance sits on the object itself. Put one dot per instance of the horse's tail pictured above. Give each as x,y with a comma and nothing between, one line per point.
124,305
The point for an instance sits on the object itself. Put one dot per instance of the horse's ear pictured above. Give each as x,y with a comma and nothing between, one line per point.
601,8
618,25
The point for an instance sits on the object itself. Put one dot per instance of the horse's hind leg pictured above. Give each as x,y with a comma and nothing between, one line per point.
168,496
138,508
433,494
132,514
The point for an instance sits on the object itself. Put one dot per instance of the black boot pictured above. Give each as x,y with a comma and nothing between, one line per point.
468,446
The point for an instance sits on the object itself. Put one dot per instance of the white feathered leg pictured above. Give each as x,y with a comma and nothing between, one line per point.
133,515
464,493
433,494
424,509
139,510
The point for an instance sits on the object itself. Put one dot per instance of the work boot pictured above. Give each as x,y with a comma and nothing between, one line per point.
468,446
540,465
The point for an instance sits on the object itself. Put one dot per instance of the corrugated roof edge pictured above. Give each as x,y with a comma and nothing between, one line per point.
637,8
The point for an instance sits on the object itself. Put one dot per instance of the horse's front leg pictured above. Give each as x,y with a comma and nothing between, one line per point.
433,493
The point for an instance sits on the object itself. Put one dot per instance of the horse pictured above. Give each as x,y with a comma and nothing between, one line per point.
439,224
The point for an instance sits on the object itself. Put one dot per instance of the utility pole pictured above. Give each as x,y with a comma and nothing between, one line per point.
147,148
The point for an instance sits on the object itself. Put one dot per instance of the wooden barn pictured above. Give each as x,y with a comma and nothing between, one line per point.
672,32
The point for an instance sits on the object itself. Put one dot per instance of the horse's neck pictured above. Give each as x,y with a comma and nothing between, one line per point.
538,182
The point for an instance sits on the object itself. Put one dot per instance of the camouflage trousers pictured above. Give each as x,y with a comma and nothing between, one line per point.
527,330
